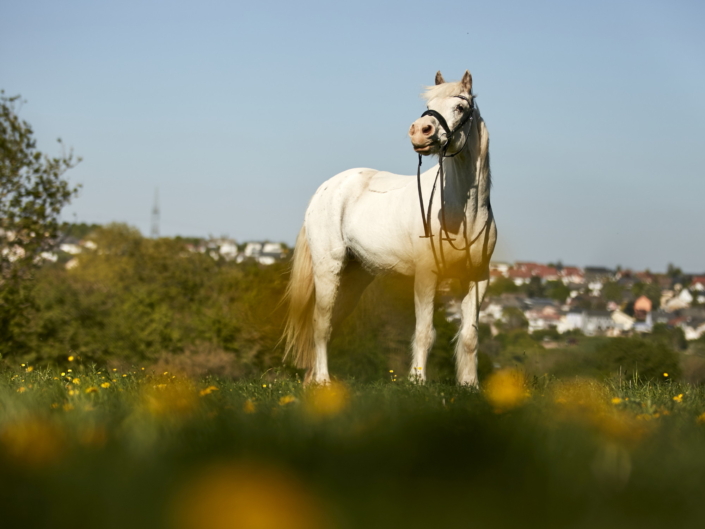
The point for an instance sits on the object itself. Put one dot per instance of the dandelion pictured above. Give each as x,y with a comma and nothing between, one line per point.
391,371
21,389
67,407
678,398
176,399
241,495
92,389
665,374
72,392
69,370
29,369
264,385
105,385
208,391
328,400
63,374
32,441
700,419
76,381
124,376
506,389
71,358
616,400
249,406
288,399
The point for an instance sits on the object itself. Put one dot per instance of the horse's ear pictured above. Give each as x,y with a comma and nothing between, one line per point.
439,78
466,81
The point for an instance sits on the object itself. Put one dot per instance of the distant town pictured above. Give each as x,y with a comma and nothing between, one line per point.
593,300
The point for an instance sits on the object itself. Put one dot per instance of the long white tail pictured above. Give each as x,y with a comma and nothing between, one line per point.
301,297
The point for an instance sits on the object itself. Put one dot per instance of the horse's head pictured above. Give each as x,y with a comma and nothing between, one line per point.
449,102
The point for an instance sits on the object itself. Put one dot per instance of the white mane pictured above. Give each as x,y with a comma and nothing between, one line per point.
444,90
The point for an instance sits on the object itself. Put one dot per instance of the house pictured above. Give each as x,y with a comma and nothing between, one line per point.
572,275
598,274
622,321
643,305
265,253
542,314
694,328
520,277
698,284
596,322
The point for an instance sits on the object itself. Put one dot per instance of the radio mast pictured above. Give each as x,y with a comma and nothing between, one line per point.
155,215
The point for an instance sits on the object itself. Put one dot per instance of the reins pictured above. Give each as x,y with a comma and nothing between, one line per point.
440,175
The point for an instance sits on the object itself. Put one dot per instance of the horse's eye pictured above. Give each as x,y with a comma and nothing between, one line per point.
459,109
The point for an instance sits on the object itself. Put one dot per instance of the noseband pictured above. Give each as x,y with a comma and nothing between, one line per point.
426,212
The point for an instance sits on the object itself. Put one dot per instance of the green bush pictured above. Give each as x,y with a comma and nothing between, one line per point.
636,357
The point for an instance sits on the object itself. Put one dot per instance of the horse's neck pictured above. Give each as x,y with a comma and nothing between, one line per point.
467,177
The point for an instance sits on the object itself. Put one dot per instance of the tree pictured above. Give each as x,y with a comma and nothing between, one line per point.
612,291
32,194
557,290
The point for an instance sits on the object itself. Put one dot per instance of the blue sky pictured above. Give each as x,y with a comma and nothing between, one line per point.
238,111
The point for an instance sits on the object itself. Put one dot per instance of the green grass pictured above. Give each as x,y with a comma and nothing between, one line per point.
155,451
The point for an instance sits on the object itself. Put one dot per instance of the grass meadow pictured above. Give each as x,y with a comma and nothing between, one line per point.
88,447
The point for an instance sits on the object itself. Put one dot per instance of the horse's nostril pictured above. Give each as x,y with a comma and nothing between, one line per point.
412,130
427,130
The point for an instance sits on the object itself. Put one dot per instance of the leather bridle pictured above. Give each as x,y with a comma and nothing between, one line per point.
426,212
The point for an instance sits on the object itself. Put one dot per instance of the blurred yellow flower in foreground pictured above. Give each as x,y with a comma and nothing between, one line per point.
71,358
208,391
288,399
701,418
506,389
92,389
178,398
249,406
328,400
587,401
32,441
246,496
105,385
678,398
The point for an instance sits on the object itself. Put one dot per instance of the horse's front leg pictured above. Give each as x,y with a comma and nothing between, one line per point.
467,341
424,293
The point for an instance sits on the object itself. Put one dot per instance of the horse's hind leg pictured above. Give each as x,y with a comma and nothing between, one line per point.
326,280
353,282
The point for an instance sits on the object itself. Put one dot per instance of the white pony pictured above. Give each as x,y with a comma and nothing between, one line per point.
364,222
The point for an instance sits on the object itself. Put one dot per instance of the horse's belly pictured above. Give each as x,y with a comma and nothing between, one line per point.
375,230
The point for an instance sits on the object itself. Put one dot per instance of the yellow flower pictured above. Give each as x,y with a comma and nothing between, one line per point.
506,389
616,400
92,389
328,400
678,398
76,381
208,390
30,369
665,374
105,385
288,399
63,374
249,406
701,419
176,399
71,358
33,442
21,389
242,496
264,385
72,392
